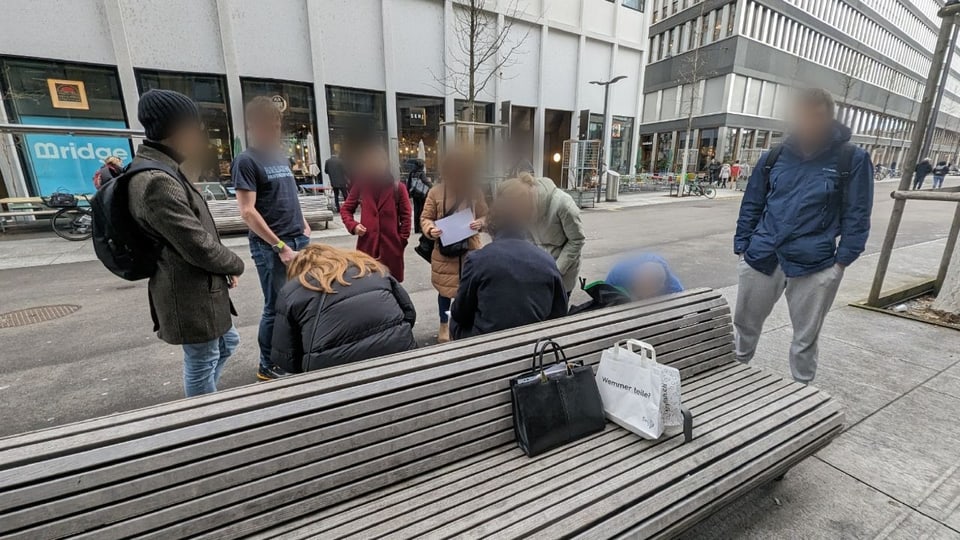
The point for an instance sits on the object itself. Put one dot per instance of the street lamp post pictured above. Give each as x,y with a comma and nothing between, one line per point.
605,135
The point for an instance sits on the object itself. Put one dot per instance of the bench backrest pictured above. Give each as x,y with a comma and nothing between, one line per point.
249,458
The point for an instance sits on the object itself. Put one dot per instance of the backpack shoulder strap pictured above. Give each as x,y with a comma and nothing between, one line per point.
845,161
772,156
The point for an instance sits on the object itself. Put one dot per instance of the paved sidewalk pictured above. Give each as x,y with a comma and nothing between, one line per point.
895,471
647,198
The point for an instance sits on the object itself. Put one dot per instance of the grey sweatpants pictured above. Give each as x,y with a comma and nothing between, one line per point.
808,299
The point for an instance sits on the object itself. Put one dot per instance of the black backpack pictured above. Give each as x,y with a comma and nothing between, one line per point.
121,245
602,295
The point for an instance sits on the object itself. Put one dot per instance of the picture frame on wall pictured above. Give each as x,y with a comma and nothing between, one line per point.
66,94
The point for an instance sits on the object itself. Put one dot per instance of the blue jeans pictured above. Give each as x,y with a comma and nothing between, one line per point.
444,304
938,182
273,276
203,362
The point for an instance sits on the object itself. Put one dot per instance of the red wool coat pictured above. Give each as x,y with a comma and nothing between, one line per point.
387,218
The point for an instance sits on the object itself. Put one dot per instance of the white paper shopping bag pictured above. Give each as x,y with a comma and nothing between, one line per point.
631,389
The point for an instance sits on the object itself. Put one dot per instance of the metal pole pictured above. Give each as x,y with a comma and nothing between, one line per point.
948,250
603,141
928,134
923,119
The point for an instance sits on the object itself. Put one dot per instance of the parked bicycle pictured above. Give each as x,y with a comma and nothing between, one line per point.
72,221
699,188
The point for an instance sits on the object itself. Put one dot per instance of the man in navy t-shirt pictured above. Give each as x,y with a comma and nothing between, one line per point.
267,196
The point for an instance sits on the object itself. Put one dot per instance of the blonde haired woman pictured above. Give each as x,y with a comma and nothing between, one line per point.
457,190
338,307
510,282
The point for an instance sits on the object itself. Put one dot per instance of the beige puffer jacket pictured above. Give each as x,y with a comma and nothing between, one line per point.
445,271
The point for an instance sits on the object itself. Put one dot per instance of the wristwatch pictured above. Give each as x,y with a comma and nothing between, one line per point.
279,247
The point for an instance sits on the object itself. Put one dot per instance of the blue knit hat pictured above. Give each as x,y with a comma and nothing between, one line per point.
161,112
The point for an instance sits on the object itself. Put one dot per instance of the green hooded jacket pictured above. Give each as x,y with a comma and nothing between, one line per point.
559,229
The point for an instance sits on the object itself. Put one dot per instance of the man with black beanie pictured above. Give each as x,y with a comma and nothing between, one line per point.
189,299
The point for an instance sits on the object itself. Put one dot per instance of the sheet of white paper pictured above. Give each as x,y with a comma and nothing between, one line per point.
456,227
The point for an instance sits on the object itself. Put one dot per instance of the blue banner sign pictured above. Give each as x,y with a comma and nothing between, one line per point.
68,162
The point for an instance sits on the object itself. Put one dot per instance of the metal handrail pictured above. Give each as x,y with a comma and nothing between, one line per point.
70,130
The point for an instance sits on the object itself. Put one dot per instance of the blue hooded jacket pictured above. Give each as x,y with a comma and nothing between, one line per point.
621,275
796,219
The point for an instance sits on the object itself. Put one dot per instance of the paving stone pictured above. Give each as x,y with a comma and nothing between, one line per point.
908,450
913,341
815,501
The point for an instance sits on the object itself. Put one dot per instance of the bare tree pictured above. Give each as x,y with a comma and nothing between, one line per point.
693,69
852,75
483,50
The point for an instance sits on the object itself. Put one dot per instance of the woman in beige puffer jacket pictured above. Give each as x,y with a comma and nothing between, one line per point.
457,190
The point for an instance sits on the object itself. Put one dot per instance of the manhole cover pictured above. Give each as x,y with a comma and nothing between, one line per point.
33,315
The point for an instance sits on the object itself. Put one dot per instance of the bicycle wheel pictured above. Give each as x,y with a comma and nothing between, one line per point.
74,224
709,192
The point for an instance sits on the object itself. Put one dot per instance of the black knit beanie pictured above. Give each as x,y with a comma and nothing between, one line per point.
162,111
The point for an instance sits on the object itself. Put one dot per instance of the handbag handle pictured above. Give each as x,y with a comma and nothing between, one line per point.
541,348
646,350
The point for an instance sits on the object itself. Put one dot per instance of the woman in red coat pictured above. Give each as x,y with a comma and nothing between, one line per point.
385,215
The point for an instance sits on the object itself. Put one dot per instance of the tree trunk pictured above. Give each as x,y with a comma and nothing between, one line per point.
948,301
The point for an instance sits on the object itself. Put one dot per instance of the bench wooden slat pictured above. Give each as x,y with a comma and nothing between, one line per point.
519,472
74,430
262,460
97,432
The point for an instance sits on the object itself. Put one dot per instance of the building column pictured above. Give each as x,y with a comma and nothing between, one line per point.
319,82
391,93
121,52
10,169
579,82
234,91
449,45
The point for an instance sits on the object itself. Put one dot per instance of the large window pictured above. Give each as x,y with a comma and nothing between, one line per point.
210,93
418,120
350,110
295,100
621,143
38,92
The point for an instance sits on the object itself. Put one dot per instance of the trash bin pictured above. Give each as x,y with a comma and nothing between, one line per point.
613,186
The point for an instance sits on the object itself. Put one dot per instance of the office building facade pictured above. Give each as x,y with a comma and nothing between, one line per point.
329,64
725,68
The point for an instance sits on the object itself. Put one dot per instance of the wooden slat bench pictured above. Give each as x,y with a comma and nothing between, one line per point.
420,444
226,214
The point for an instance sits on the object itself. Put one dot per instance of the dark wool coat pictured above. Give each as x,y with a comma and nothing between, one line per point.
372,316
386,214
189,298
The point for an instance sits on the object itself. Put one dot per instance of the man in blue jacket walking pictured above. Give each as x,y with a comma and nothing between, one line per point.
803,196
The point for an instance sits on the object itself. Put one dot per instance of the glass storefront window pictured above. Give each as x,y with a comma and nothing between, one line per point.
645,161
295,100
707,148
40,92
418,119
350,110
621,142
730,145
210,93
664,152
483,112
521,136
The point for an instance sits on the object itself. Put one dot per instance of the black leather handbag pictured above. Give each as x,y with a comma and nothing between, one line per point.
555,405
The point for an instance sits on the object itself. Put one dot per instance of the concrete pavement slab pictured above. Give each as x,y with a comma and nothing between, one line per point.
947,382
907,450
912,341
815,501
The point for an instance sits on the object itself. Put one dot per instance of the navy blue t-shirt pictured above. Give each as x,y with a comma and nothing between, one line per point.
271,178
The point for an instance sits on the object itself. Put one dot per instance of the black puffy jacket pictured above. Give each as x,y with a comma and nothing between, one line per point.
372,316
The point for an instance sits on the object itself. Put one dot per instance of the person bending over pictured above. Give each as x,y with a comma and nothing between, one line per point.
510,282
339,307
644,276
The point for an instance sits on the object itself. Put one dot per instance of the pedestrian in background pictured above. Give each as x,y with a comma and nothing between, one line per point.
384,226
713,172
189,299
112,168
457,190
558,229
416,182
802,196
724,175
939,173
333,166
270,206
920,173
510,282
339,307
735,171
